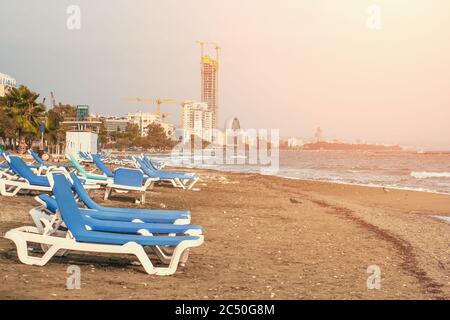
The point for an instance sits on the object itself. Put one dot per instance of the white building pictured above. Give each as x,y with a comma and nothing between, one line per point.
77,141
294,142
197,119
5,83
143,119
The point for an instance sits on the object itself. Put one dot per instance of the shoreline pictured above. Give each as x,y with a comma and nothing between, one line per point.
412,189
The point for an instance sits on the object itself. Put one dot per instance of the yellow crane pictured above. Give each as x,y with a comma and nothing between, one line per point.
208,43
158,102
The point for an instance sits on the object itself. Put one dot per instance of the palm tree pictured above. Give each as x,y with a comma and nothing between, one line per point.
20,105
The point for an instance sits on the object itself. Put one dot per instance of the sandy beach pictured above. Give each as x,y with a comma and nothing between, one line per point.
265,238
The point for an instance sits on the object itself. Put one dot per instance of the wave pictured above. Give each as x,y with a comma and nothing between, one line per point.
426,174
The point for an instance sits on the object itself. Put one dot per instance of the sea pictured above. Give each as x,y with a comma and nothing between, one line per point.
427,172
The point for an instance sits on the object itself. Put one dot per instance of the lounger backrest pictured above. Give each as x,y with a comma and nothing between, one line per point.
36,157
99,163
5,155
150,163
21,168
76,164
50,203
77,186
128,177
145,168
67,205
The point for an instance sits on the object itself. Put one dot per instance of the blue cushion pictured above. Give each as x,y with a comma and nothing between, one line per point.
128,177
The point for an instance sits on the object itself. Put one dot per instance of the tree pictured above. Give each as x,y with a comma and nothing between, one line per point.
55,133
19,104
103,133
132,131
156,138
8,128
124,139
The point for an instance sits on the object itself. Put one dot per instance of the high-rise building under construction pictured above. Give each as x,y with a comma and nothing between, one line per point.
210,81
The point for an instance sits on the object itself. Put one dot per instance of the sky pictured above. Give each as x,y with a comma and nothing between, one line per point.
291,65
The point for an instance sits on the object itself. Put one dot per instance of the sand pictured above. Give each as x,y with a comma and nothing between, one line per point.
266,238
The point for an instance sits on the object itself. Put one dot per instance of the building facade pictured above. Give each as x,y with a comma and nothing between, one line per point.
6,82
197,119
143,119
82,113
116,124
210,86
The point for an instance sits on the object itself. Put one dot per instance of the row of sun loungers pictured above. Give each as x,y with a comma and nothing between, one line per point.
67,218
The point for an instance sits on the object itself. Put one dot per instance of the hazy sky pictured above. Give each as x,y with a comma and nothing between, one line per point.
287,64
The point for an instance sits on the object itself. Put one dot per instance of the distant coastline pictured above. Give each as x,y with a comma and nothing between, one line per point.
322,145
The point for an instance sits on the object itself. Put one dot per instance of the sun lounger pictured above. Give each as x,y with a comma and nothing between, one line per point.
91,204
25,179
178,179
157,216
79,237
126,180
156,223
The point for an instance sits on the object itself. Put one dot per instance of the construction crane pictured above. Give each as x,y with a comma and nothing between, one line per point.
158,102
202,48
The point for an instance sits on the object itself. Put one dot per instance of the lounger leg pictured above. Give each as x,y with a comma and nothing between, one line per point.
161,255
173,265
10,191
24,257
184,257
108,191
179,183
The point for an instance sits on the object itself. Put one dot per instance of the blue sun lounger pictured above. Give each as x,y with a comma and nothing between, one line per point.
178,179
27,179
140,217
79,237
77,186
110,221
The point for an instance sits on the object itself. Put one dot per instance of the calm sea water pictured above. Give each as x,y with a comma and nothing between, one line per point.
422,172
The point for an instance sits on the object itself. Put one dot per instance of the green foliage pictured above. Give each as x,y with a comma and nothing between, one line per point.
54,131
125,139
22,112
103,133
156,138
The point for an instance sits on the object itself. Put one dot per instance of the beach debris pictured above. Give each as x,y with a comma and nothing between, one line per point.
294,200
135,263
386,190
162,205
195,189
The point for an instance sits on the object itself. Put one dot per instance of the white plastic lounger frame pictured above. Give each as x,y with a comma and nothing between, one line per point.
45,222
10,188
24,235
186,184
